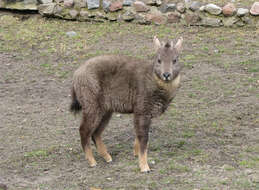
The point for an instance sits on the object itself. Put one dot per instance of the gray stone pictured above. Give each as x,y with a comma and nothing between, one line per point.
71,34
106,4
246,19
68,3
230,21
140,6
242,12
156,18
19,5
112,17
202,8
58,10
141,19
84,14
128,2
255,9
158,2
213,9
73,13
188,3
214,22
180,7
101,15
168,8
195,5
78,4
47,9
153,2
128,16
93,4
46,1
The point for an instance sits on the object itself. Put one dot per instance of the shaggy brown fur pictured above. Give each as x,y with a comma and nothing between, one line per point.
123,84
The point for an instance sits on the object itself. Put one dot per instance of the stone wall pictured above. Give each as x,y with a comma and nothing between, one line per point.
158,12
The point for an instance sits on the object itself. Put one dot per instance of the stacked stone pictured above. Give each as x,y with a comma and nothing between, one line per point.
188,12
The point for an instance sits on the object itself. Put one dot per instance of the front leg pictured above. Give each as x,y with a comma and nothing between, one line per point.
142,124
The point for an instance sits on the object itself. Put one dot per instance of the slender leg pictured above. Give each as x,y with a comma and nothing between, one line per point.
142,124
101,148
136,147
88,125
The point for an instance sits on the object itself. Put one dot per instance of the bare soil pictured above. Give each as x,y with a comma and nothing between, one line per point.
207,139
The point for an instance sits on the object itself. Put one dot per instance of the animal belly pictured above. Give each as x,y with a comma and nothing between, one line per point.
119,105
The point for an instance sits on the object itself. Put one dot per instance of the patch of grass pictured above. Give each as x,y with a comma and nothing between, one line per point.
178,167
250,163
36,153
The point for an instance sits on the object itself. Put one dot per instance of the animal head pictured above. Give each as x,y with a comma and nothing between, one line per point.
166,66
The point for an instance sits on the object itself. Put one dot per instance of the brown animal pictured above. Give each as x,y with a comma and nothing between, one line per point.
115,83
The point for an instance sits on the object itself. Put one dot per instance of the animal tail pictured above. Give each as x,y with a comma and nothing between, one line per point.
75,106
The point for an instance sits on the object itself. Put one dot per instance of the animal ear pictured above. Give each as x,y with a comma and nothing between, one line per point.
179,45
157,43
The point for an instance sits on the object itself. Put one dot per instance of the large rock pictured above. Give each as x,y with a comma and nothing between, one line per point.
83,15
255,9
73,13
168,8
242,12
45,1
187,3
128,16
141,19
229,9
19,5
195,5
78,4
153,2
93,4
157,19
115,6
230,21
213,9
128,2
68,3
106,5
213,22
47,9
140,6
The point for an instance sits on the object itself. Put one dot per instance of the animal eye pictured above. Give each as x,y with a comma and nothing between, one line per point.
174,61
159,61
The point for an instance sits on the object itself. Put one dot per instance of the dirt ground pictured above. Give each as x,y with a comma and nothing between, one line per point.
207,140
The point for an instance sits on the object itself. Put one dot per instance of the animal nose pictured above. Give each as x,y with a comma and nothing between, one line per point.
167,75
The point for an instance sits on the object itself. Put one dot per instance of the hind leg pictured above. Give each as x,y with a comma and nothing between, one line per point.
101,148
89,123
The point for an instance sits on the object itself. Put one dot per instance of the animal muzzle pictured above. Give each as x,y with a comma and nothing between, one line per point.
167,76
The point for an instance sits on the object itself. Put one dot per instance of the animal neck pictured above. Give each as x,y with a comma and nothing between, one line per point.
168,86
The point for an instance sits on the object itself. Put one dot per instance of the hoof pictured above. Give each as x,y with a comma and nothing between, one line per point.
145,169
108,158
93,164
